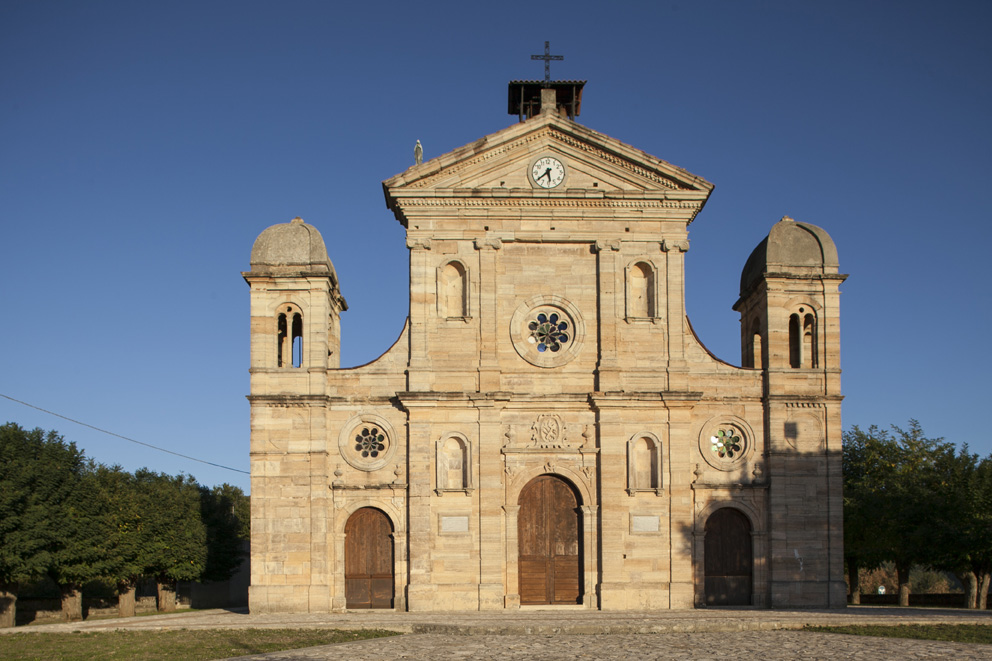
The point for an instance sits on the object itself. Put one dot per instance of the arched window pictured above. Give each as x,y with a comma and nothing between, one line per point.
809,341
755,354
453,290
795,344
802,339
454,464
641,291
289,324
644,464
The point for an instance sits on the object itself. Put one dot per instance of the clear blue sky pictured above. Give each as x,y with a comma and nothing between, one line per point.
143,147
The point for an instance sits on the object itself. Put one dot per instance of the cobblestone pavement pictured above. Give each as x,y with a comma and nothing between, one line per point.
765,645
582,634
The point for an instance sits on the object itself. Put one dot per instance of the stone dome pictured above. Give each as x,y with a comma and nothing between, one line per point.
293,244
791,247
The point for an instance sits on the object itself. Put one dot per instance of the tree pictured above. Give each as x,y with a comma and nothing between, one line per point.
39,484
78,554
174,534
865,454
225,511
891,511
124,536
963,534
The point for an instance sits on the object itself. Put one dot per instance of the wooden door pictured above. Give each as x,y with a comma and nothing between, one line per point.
727,564
549,537
368,560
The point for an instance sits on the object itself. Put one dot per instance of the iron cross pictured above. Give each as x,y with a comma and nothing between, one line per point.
547,57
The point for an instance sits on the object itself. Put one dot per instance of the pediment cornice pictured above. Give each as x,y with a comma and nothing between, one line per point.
604,169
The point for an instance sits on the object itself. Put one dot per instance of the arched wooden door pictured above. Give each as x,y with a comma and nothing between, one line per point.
727,564
368,560
549,534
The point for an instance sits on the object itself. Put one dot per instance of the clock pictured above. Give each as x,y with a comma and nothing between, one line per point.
547,172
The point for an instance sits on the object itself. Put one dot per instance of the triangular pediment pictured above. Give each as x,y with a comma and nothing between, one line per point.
503,160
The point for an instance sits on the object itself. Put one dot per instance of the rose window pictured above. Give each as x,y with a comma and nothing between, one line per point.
548,331
727,444
370,442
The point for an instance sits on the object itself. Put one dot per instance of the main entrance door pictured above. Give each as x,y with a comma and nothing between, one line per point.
727,563
549,537
368,560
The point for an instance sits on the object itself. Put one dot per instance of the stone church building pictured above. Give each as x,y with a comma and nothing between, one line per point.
547,431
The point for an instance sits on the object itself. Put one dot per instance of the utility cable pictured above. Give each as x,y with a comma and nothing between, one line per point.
110,433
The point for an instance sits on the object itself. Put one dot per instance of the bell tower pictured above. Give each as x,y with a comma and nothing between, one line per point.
790,329
295,339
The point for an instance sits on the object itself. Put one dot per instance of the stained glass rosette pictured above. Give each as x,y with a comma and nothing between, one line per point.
370,442
548,331
727,443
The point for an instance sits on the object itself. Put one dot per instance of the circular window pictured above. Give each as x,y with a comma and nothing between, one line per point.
547,331
725,444
367,442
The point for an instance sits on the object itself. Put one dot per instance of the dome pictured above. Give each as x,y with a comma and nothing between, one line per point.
791,247
291,244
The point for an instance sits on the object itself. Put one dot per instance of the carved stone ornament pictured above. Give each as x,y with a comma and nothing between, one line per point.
489,242
681,246
418,244
510,437
549,431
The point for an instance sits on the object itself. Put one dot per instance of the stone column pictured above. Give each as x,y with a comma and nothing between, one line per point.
610,314
612,509
420,591
681,515
489,373
675,313
591,568
512,599
422,291
491,494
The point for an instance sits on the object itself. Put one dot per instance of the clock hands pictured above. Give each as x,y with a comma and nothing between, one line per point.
547,173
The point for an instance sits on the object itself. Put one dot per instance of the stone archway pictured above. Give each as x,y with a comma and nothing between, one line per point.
728,558
368,559
549,538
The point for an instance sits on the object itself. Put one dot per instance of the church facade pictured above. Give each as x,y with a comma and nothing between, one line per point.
547,431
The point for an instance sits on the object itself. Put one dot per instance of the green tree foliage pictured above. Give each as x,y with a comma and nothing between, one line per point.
963,532
914,501
175,538
74,521
46,524
225,512
123,530
78,555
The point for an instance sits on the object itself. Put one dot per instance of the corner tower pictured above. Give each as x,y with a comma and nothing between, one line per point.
790,329
295,339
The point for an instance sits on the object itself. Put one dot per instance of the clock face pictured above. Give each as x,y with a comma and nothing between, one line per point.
547,172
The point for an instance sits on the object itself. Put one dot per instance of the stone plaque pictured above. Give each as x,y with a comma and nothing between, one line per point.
645,523
454,524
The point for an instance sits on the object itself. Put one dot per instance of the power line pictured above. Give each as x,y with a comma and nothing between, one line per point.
110,433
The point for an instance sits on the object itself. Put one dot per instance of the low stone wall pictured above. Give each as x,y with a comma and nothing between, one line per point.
38,611
933,600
